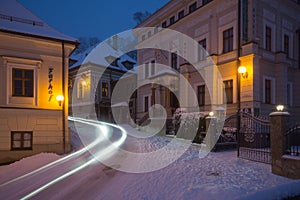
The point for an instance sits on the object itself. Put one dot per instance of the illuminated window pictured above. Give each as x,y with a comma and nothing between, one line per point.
21,140
80,90
105,89
22,82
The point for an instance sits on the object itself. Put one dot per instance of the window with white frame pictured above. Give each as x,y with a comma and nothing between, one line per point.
268,38
80,89
172,20
202,51
289,94
22,82
201,95
21,140
174,60
22,78
228,91
146,70
152,68
269,90
286,45
181,14
146,103
228,40
206,2
269,35
193,7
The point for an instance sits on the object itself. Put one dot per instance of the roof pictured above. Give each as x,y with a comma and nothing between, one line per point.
99,56
17,19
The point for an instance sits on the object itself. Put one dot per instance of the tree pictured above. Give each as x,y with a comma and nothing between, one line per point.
140,16
85,43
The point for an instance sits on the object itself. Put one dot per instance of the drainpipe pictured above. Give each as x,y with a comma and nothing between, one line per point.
298,31
238,75
63,93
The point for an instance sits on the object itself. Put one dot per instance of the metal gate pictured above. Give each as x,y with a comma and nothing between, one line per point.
253,138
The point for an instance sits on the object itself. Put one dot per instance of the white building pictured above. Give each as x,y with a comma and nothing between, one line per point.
33,72
261,35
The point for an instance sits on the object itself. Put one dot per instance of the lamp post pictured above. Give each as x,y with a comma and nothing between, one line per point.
242,72
60,99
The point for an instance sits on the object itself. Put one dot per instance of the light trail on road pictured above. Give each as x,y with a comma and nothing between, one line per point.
101,133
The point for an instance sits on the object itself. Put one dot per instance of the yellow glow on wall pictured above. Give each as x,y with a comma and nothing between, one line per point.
60,99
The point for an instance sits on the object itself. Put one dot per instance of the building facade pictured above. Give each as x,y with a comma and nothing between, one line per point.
263,36
33,73
92,78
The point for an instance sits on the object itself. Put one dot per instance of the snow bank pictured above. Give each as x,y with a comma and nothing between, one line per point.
280,192
26,165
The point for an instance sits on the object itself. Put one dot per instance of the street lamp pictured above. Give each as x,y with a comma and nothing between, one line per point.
279,108
60,99
84,83
243,71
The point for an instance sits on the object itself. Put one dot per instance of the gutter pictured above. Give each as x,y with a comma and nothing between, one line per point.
63,93
75,42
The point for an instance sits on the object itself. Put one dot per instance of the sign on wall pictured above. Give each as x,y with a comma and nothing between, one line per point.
50,83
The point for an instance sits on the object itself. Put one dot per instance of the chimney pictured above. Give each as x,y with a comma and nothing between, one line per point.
115,42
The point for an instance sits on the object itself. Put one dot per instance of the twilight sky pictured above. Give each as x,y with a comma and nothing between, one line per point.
89,18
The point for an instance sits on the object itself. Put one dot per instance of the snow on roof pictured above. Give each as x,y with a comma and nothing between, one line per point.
121,104
164,72
99,55
16,18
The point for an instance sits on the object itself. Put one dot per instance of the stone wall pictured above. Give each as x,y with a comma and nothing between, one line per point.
283,165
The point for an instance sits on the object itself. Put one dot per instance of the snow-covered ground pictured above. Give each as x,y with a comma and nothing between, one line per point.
219,175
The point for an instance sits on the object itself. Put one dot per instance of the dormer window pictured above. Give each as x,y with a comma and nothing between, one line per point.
193,7
172,20
181,14
112,60
129,65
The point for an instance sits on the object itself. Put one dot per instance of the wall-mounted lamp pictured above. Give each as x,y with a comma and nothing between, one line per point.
243,71
211,114
60,99
84,83
279,108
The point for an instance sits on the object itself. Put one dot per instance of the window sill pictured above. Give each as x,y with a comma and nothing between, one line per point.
21,101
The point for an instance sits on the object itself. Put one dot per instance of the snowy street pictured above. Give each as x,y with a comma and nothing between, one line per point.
219,175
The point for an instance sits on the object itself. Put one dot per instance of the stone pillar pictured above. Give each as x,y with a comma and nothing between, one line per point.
211,132
153,95
279,124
